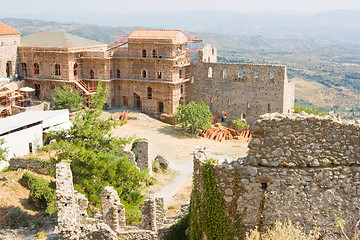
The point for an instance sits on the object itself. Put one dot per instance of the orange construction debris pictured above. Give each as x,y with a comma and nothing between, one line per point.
224,133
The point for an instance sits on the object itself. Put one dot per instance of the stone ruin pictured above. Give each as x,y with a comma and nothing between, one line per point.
300,167
142,155
74,223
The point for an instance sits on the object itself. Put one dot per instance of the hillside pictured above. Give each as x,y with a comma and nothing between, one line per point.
327,73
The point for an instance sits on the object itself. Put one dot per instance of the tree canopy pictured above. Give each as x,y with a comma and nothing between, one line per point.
194,116
67,98
96,160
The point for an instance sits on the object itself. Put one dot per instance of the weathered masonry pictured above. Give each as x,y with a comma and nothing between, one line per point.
302,168
243,90
9,42
74,223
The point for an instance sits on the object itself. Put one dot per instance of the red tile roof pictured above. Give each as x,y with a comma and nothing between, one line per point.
158,34
6,30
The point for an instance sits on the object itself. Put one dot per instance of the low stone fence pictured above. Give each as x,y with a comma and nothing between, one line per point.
33,164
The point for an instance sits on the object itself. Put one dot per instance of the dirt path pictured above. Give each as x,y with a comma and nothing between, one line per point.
177,147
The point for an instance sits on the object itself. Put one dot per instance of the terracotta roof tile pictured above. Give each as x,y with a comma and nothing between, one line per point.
158,34
6,30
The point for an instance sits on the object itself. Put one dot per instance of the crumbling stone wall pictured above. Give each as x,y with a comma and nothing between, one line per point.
142,155
74,223
68,211
113,210
300,167
153,213
242,90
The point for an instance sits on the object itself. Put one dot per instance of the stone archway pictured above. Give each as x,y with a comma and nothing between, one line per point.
137,101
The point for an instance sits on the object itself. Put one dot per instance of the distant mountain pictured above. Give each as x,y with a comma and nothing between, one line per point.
339,25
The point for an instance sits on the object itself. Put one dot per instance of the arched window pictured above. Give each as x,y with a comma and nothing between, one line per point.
229,102
154,53
76,69
248,105
92,74
269,107
36,68
159,75
256,74
210,72
181,101
240,73
243,116
111,73
272,75
149,93
181,73
144,53
118,73
211,100
144,74
24,69
57,70
181,89
225,72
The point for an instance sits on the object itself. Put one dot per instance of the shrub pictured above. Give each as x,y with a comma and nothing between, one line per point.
67,98
313,110
194,116
178,230
42,192
16,218
283,231
3,150
240,123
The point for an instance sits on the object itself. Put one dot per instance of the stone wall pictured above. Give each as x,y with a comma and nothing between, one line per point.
8,54
242,90
33,164
142,156
300,167
74,223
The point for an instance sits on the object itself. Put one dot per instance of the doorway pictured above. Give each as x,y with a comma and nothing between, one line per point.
137,101
8,69
161,107
37,90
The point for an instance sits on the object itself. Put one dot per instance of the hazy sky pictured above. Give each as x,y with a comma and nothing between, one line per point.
307,6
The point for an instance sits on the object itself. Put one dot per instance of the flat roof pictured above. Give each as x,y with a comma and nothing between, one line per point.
27,118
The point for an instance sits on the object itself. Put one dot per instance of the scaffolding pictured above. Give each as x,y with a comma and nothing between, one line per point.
10,99
148,75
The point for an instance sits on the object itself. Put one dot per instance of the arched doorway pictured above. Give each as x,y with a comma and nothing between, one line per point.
137,101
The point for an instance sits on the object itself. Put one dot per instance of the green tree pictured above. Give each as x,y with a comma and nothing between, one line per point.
67,98
194,116
313,110
95,158
3,150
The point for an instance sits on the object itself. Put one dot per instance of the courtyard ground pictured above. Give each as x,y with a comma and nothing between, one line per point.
177,147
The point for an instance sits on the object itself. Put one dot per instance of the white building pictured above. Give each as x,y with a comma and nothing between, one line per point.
23,133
